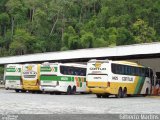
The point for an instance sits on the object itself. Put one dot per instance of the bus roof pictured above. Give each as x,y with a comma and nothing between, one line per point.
95,60
118,62
127,63
13,65
66,64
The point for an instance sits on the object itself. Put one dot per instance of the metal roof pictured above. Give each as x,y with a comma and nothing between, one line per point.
126,50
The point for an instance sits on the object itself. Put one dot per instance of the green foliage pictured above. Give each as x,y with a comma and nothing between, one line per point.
23,42
87,40
35,26
142,32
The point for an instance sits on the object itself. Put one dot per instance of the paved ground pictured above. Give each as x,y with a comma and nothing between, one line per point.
28,103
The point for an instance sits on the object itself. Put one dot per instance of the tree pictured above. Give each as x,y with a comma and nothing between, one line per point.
142,32
87,40
124,37
23,42
16,11
4,21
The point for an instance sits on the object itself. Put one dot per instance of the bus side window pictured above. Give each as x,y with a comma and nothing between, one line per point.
133,71
128,70
143,72
82,73
136,71
113,67
140,72
76,71
70,71
123,69
62,69
119,69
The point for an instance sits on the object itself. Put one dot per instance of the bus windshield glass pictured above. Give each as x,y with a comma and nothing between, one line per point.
29,71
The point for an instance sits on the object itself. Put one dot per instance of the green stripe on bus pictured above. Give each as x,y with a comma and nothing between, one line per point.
61,78
13,70
48,69
12,77
139,85
56,78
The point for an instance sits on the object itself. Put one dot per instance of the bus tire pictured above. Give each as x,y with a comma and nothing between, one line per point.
125,92
17,90
57,93
51,93
33,92
69,90
120,93
74,90
98,95
23,91
105,96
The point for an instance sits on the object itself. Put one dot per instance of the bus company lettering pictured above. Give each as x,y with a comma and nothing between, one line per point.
97,78
64,78
114,78
127,79
97,68
29,73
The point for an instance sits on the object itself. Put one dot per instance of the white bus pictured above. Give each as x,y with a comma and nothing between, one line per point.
120,78
67,78
13,77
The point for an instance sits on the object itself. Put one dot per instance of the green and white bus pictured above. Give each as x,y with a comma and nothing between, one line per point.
13,77
67,78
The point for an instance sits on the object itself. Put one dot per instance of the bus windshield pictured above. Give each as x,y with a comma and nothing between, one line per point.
29,71
31,74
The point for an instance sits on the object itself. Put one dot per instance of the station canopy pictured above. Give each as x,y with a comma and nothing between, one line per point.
135,51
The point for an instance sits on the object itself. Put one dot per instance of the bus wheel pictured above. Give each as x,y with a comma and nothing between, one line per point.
57,93
98,95
51,93
120,93
105,96
23,91
74,90
69,90
125,92
33,92
17,90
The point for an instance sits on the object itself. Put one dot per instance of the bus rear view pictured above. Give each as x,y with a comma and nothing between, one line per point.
30,77
13,77
97,76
